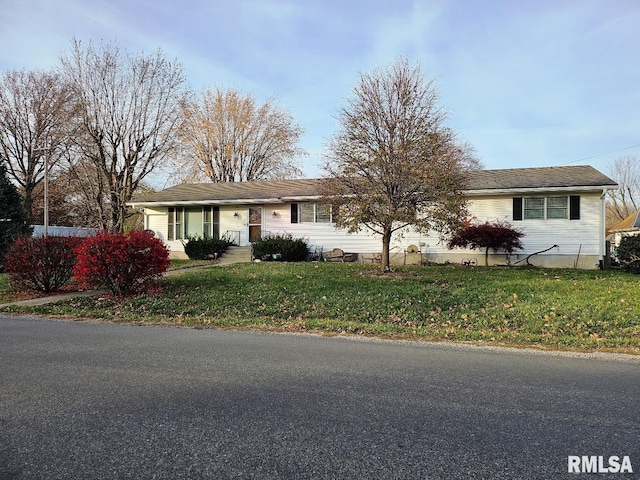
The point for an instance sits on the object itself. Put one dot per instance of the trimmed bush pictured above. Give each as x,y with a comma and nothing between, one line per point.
42,263
123,263
198,248
628,253
281,247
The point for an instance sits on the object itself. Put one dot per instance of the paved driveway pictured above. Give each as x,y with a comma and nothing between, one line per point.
105,401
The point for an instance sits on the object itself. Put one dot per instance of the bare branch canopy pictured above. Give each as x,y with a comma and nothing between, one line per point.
129,112
230,138
394,163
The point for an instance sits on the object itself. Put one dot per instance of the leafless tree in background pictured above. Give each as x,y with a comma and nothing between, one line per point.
623,202
34,115
394,163
230,138
128,114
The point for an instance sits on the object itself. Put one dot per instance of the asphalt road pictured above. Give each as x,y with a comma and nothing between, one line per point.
106,401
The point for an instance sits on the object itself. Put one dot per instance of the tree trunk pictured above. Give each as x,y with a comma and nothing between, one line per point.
386,241
486,257
28,203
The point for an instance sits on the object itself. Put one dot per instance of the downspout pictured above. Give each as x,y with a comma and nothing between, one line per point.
602,229
603,214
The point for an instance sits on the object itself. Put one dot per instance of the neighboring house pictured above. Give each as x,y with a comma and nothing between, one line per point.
561,206
628,226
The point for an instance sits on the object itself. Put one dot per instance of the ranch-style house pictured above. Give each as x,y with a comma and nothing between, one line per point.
561,211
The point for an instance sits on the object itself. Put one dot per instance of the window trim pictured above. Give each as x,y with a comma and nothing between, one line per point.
176,222
572,208
296,212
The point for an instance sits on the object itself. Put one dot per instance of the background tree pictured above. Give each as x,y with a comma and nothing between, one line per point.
34,113
623,202
394,163
230,138
128,114
14,221
488,236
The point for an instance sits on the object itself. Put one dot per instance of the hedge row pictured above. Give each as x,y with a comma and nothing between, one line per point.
122,263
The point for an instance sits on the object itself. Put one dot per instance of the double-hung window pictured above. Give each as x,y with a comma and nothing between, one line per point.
546,208
557,207
310,213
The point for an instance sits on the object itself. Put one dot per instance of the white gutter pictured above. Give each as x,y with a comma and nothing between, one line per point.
239,201
536,190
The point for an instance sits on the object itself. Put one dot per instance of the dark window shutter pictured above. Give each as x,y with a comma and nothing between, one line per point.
574,207
294,213
517,208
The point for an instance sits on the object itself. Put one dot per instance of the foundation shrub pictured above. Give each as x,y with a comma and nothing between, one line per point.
281,247
198,248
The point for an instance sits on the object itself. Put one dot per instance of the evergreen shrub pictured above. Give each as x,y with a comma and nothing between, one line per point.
198,248
628,253
281,247
14,220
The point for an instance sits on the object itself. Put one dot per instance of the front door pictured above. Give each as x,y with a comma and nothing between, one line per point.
255,223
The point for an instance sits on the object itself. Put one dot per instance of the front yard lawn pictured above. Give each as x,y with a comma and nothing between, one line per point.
555,309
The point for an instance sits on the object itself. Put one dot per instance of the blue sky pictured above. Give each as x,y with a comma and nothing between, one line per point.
527,83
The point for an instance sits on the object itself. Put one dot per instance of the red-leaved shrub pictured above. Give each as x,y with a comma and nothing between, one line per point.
41,263
123,263
499,235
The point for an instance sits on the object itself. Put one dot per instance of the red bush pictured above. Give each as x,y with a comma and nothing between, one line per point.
41,263
490,236
123,263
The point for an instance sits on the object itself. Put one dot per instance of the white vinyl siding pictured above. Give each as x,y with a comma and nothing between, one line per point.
576,239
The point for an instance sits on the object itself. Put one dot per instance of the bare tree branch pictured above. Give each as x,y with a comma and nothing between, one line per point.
34,112
129,113
623,202
394,163
232,139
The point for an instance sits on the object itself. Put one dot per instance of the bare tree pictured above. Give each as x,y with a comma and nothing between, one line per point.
394,163
34,113
626,200
232,139
129,111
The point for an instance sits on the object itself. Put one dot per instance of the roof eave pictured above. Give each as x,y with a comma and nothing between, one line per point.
539,190
180,203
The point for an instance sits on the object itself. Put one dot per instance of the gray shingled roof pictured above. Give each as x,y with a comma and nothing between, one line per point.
518,178
541,177
259,190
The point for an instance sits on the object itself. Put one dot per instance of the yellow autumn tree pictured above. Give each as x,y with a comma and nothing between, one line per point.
229,137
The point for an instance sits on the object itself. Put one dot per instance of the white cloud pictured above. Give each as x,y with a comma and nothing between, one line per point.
529,83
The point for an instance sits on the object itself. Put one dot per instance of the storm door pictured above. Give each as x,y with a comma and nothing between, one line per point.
255,223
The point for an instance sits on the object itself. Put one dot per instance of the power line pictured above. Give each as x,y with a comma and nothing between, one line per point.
601,154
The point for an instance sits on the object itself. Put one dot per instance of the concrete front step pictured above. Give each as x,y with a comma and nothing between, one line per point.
236,255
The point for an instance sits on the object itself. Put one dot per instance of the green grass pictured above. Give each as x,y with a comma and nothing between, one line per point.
9,294
555,309
6,290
